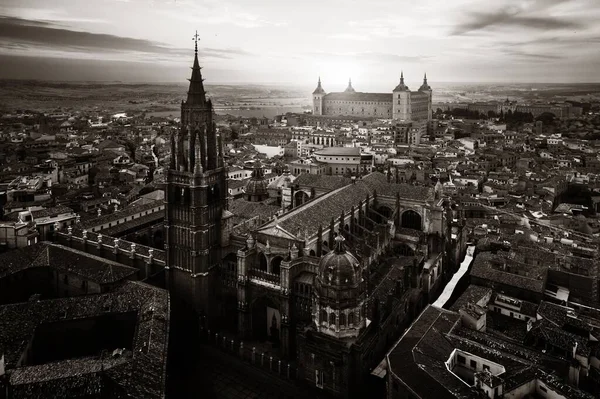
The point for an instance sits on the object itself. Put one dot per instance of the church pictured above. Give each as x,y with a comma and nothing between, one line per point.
401,104
327,283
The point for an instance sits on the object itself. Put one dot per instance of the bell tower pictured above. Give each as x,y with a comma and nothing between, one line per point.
195,201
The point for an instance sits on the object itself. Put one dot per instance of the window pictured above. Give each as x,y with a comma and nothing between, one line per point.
319,379
461,359
486,367
332,319
473,364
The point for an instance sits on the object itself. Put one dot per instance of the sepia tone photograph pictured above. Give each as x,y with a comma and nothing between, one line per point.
332,199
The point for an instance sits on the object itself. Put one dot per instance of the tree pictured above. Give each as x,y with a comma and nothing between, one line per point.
547,118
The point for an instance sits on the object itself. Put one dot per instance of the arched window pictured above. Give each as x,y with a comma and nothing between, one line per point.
351,318
275,265
411,220
323,316
332,319
342,320
262,261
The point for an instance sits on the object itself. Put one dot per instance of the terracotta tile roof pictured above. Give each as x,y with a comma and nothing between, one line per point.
306,218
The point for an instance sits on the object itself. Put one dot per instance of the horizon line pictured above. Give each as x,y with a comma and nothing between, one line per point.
229,83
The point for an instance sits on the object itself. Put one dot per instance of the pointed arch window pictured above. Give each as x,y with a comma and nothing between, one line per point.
332,319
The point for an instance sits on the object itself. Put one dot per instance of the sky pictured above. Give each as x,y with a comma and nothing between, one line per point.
285,42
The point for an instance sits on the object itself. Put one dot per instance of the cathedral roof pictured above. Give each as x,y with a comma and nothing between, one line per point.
257,185
306,219
196,94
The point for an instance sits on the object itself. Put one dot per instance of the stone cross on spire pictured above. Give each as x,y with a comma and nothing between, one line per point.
195,39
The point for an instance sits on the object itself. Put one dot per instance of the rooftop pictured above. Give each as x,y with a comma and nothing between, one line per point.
45,254
140,372
306,218
359,96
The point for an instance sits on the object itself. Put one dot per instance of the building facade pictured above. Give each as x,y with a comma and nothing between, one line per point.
401,104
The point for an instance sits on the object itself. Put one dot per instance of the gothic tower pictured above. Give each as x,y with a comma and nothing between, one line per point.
195,201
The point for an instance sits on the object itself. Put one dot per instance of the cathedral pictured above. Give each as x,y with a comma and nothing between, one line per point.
401,104
327,283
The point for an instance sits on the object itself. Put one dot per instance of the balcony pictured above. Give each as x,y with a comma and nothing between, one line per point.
261,275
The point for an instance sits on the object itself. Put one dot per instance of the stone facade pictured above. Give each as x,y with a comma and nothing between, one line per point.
402,104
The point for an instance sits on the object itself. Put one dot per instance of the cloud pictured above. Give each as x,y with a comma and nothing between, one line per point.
531,56
217,13
372,57
511,18
350,36
42,34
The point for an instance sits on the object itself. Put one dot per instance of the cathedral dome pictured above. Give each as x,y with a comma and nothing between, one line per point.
256,188
339,268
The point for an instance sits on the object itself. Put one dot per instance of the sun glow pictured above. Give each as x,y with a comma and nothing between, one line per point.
335,75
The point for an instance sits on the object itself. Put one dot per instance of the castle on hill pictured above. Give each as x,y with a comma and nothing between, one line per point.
401,104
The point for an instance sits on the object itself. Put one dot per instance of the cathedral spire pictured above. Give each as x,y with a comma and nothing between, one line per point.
196,94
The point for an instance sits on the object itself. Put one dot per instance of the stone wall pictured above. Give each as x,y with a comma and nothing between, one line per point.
379,109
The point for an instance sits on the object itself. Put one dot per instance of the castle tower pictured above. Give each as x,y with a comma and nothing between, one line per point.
427,89
349,89
318,95
195,201
401,107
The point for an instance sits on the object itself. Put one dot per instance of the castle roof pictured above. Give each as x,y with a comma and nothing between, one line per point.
401,86
424,86
359,96
319,89
349,89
